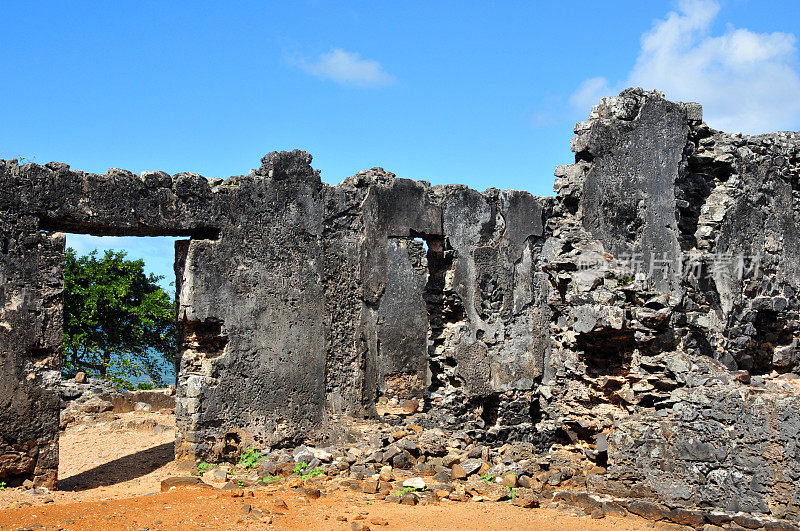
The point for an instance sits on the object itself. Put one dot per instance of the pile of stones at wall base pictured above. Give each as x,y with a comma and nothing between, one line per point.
408,464
645,320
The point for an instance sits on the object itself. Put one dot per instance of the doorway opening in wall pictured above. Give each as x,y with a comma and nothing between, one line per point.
118,361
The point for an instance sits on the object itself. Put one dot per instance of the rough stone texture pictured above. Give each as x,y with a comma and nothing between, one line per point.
92,395
640,329
674,261
31,280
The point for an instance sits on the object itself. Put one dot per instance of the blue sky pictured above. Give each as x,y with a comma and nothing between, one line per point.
479,93
158,253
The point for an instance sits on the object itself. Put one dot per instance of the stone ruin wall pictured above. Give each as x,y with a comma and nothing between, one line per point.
499,314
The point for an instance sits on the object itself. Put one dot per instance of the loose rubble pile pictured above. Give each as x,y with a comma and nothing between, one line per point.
410,465
83,398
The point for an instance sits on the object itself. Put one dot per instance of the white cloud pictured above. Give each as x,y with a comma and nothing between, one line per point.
347,68
746,81
590,92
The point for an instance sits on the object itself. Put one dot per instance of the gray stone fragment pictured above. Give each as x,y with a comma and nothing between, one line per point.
471,466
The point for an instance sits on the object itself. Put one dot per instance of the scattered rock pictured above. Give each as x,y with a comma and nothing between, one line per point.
182,481
686,517
303,454
781,525
611,508
718,518
280,504
670,526
748,522
370,486
408,498
416,483
489,491
141,406
235,487
458,472
386,474
216,475
524,497
310,493
442,476
404,460
648,510
466,468
442,493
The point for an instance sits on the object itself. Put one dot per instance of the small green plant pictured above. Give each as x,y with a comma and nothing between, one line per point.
250,457
406,490
300,467
241,483
488,478
314,473
2,485
511,492
204,467
624,281
270,479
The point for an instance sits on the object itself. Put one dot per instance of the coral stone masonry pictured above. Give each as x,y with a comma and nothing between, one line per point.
646,319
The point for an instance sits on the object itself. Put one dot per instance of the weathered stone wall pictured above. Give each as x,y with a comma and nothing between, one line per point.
252,305
674,351
38,202
644,320
31,281
463,339
720,447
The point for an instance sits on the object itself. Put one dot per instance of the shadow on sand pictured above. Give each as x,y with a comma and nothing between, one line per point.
120,470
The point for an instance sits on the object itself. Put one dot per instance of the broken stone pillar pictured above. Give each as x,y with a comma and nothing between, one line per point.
31,285
252,313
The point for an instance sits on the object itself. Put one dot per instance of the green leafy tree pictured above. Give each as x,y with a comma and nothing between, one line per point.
119,323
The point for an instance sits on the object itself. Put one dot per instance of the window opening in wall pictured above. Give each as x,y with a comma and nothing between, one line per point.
119,310
118,359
